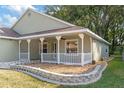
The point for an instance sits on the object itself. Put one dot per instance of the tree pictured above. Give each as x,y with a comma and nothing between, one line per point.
106,21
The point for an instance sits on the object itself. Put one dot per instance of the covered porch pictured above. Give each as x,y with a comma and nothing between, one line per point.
70,49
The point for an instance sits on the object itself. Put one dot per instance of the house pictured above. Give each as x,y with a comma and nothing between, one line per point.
37,36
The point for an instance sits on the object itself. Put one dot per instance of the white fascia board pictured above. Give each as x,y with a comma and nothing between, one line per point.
97,37
52,34
7,37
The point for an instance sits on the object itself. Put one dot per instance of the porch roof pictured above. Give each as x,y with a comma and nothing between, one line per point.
10,34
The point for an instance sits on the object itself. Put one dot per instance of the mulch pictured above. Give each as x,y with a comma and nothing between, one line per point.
65,69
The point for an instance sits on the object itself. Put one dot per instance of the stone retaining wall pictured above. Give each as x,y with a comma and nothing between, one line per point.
6,65
63,79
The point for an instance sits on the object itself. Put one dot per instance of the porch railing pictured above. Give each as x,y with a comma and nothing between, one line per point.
49,57
23,56
70,59
87,58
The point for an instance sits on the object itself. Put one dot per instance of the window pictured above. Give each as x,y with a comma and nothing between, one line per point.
45,48
106,50
71,46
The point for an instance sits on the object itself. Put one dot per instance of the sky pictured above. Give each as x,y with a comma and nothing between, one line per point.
9,14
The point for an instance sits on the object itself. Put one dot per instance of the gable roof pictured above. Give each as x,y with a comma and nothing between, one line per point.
8,32
54,18
11,34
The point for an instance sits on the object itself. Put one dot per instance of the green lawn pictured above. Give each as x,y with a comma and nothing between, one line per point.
113,76
13,79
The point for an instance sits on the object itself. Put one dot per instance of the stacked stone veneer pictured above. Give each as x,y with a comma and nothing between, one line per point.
63,79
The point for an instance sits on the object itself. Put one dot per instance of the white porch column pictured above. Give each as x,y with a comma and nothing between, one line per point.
58,48
41,39
91,42
19,50
29,49
82,48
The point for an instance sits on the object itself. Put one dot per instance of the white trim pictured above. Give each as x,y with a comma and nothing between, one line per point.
47,61
91,46
71,40
68,63
58,48
42,39
41,45
7,37
28,40
59,33
45,35
97,37
82,48
39,48
19,50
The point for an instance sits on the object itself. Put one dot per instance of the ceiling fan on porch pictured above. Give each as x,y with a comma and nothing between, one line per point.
63,38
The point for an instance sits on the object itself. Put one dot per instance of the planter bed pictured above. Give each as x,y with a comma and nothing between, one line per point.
65,69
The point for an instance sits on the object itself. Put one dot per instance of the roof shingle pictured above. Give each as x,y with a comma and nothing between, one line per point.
8,32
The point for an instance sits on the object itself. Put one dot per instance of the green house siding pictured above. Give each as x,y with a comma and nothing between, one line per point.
8,50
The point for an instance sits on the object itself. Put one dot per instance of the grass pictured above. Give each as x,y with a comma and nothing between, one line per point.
112,77
13,79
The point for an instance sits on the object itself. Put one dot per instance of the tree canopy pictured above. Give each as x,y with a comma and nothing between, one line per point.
106,21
